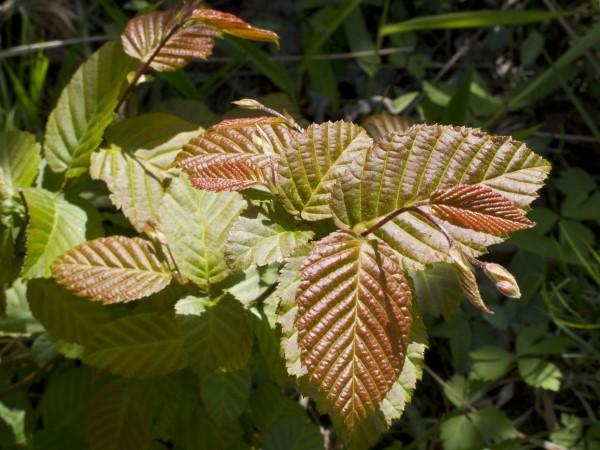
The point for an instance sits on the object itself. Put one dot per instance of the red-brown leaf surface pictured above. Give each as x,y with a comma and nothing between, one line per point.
382,124
226,172
478,208
231,24
468,281
354,320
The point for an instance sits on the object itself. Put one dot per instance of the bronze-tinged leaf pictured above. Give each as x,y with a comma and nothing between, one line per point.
145,33
478,208
354,322
467,279
112,269
243,122
218,172
231,24
379,125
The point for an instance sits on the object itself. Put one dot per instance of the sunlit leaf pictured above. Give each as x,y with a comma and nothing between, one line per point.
19,161
354,316
138,346
196,224
85,108
379,125
309,165
112,270
55,226
468,281
231,24
261,241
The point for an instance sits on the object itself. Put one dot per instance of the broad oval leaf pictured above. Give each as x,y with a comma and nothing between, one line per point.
19,161
196,224
226,394
112,270
161,38
138,346
85,108
309,165
382,124
354,319
478,208
260,241
55,226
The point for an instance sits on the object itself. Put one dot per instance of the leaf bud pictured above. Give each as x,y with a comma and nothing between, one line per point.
504,280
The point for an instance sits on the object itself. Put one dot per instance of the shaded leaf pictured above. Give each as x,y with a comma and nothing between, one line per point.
478,208
260,241
382,124
437,290
490,363
353,322
139,346
196,224
17,318
19,161
309,164
65,399
85,108
226,394
54,226
112,270
293,433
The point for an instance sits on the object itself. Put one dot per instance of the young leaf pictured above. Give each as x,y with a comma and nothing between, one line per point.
234,154
231,24
19,161
308,166
260,241
478,208
136,192
112,270
354,317
379,125
467,279
54,227
85,108
138,346
196,224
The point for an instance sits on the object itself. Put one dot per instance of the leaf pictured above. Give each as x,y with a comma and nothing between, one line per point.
54,226
269,405
19,161
117,419
468,281
231,24
293,433
226,394
84,110
353,322
490,363
234,154
470,19
260,241
196,224
134,191
64,315
478,208
217,334
161,38
360,41
402,170
308,166
437,290
457,110
138,346
17,319
112,270
379,125
15,419
66,397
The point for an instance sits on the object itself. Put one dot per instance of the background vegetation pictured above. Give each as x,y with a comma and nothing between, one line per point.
525,377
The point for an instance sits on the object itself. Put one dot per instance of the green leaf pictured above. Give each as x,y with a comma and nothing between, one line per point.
360,40
196,224
85,108
138,346
19,161
17,319
55,226
437,290
539,373
65,315
404,169
226,394
136,192
260,241
66,397
470,19
217,334
490,363
293,433
457,111
476,429
308,166
15,419
269,405
460,390
534,340
532,47
570,433
118,420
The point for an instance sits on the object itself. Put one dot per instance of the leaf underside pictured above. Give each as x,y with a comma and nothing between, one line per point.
354,318
112,270
379,125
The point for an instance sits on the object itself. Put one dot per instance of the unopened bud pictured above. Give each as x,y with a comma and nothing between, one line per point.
504,280
248,103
